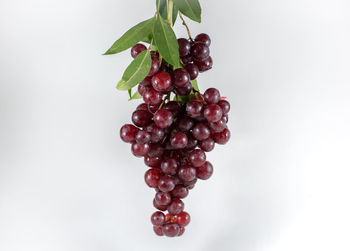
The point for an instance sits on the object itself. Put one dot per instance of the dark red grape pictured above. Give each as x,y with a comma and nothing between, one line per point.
205,64
141,118
171,229
201,131
225,106
158,218
222,137
137,49
157,134
200,51
183,219
179,140
180,77
161,81
128,133
169,166
153,97
205,171
203,38
211,96
180,192
152,177
207,145
158,230
187,173
184,123
176,206
163,118
143,137
212,113
166,184
192,70
184,47
197,157
159,207
140,150
194,108
162,198
185,90
153,161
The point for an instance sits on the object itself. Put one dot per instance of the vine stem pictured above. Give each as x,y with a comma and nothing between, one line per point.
184,23
170,6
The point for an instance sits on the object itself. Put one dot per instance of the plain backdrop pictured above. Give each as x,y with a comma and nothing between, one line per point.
67,182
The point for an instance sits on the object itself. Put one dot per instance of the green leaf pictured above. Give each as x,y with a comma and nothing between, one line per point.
166,42
190,8
163,10
195,84
175,12
136,95
136,71
132,36
129,92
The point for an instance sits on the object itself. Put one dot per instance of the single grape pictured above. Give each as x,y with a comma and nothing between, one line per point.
143,137
140,150
147,81
141,118
163,118
157,134
174,107
185,90
183,219
184,47
197,157
155,63
225,106
222,137
179,140
200,51
194,108
205,64
142,107
212,113
137,49
158,218
153,161
169,166
176,206
218,126
161,81
156,150
192,142
128,133
153,97
162,198
201,131
158,230
211,96
153,108
152,177
203,38
187,173
184,123
207,145
190,184
171,229
166,184
159,207
192,70
142,89
187,59
205,171
180,77
181,231
180,192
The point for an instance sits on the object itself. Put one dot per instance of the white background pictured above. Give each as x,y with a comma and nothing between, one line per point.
67,182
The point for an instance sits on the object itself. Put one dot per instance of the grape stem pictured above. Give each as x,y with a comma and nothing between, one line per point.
184,23
170,6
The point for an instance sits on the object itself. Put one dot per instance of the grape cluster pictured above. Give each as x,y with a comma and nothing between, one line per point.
173,135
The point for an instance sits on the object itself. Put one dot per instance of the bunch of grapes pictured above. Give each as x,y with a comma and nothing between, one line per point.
173,135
